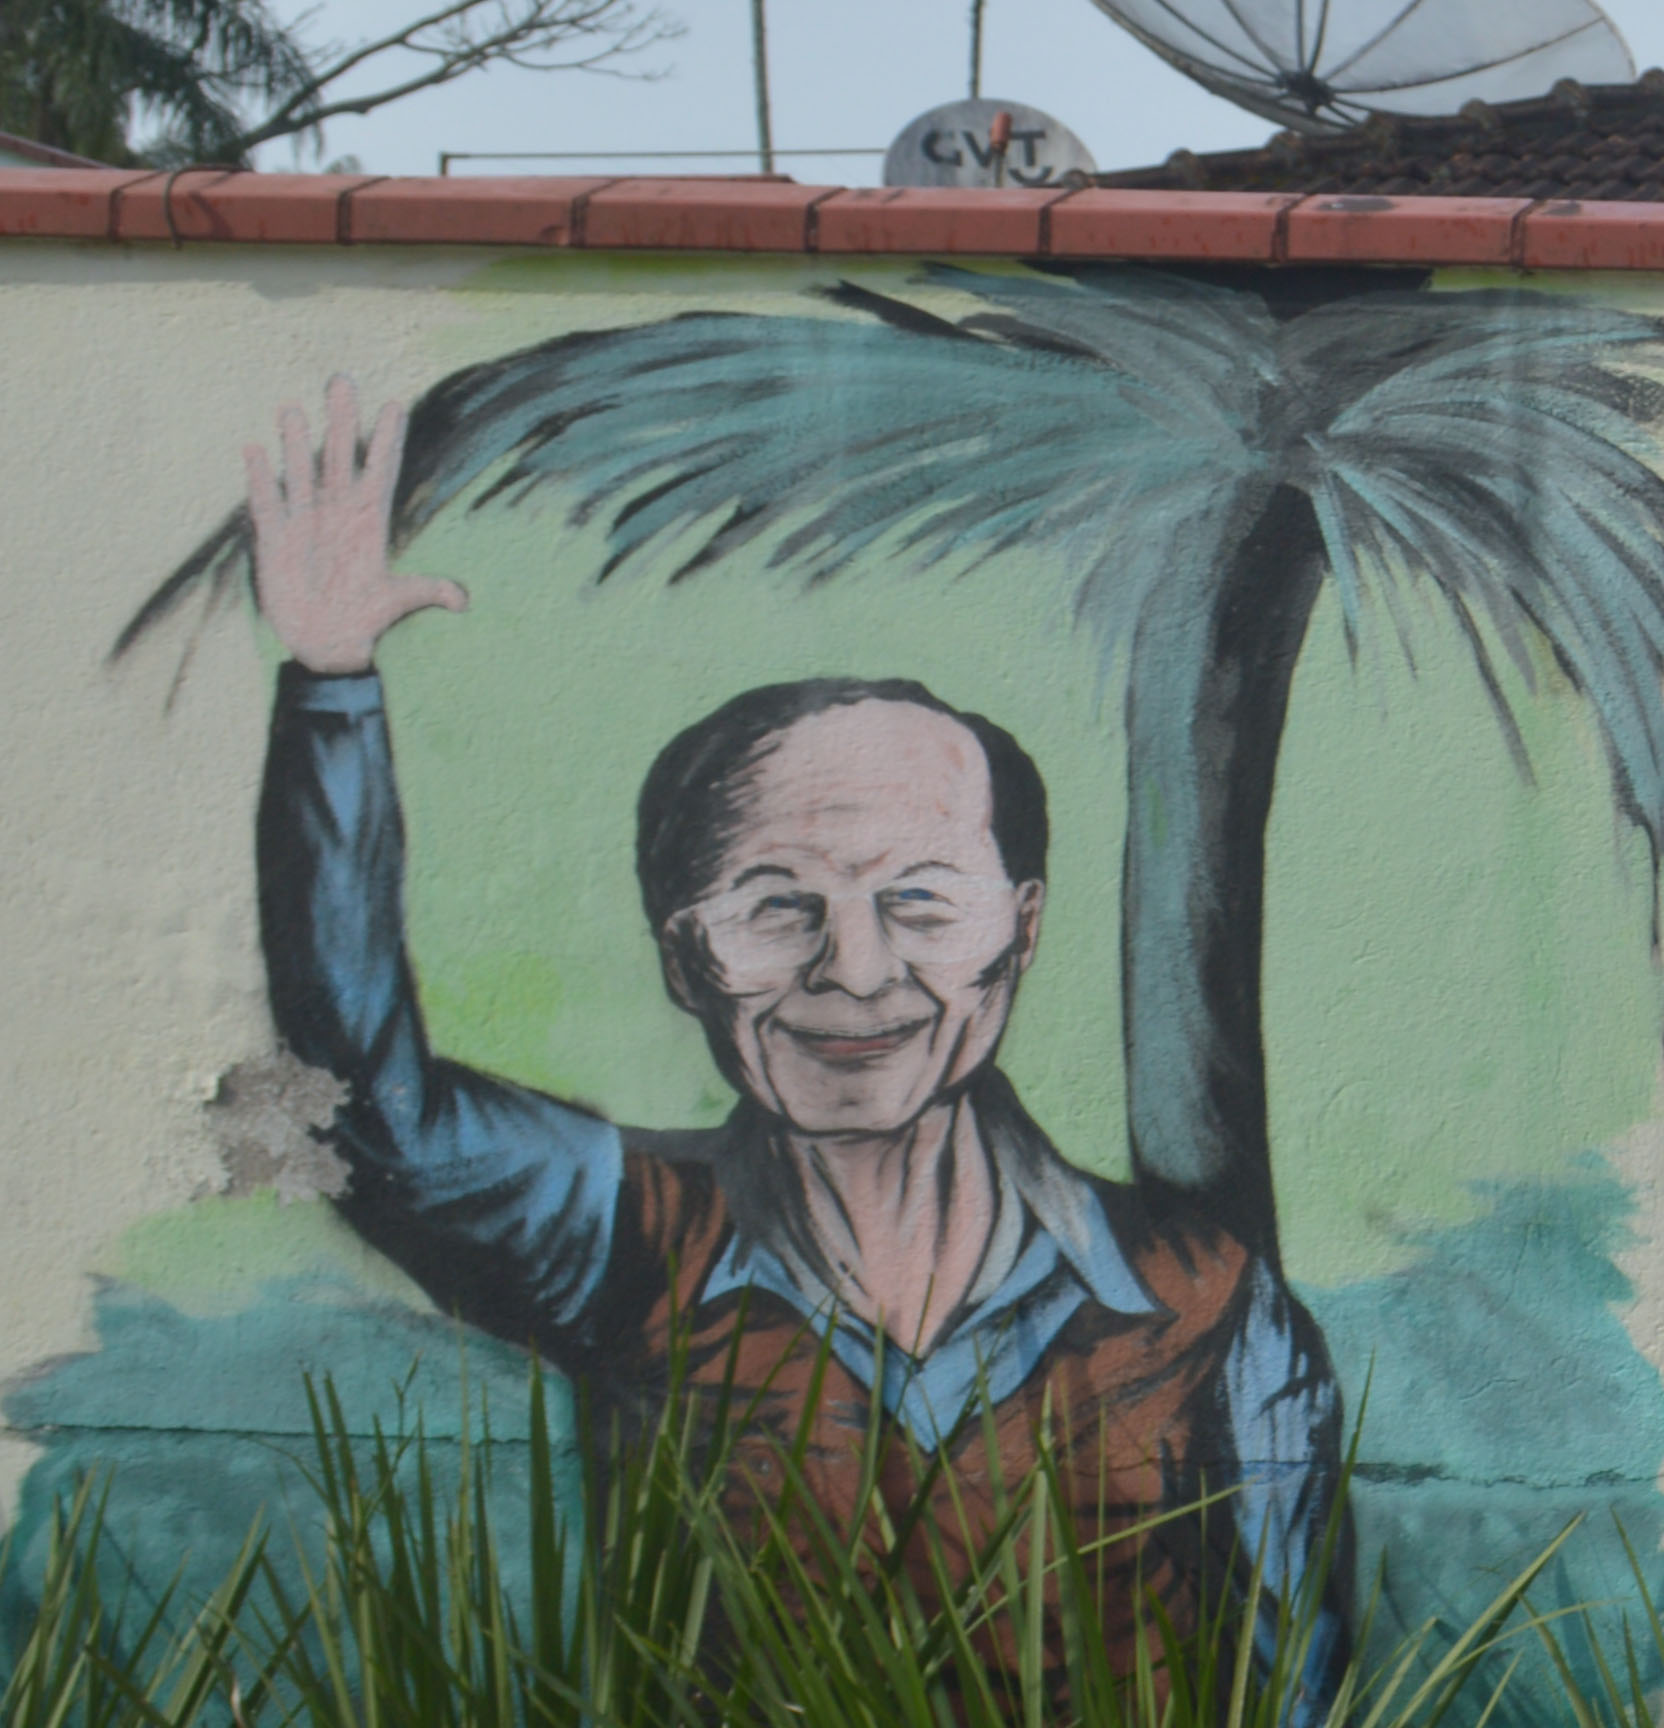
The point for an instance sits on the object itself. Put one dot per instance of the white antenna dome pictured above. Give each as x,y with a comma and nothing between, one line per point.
968,143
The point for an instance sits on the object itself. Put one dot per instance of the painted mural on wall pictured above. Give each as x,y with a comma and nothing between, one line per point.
844,875
846,881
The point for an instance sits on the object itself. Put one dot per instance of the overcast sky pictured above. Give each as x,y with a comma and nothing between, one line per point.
845,73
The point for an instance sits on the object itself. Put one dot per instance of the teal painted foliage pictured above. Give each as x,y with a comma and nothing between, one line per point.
201,1427
1505,1398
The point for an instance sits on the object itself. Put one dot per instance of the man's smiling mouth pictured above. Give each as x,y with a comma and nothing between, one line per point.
850,1045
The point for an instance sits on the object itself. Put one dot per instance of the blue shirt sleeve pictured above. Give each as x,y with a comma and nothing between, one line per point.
498,1199
1284,1413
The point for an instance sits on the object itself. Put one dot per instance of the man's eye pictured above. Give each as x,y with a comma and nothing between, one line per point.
774,905
918,908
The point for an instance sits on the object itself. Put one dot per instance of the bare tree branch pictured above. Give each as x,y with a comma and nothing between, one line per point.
219,77
464,36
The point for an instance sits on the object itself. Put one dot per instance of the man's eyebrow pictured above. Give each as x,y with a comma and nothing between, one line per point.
757,870
928,864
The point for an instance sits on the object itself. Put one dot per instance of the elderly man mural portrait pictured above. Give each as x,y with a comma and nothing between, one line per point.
846,881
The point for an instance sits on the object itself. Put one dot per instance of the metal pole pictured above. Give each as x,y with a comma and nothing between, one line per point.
759,60
976,47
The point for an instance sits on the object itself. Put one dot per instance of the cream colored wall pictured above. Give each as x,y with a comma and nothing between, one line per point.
129,976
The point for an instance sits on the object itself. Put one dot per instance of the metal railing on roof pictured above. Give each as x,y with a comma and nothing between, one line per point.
447,157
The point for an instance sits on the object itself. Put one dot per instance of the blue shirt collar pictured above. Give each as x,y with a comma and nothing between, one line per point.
1053,1248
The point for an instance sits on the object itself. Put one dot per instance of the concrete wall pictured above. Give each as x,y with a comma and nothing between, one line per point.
1130,520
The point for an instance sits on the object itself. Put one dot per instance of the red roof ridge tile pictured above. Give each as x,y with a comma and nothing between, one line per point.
218,206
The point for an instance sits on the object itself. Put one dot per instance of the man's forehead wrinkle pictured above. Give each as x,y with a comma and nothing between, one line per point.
866,866
874,727
818,795
808,767
765,859
863,792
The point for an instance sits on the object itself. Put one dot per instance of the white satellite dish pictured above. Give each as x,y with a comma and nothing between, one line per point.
1320,65
954,145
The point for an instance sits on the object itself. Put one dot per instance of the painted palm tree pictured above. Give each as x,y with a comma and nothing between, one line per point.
1201,467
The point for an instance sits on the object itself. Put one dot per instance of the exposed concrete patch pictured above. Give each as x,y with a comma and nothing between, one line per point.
264,1114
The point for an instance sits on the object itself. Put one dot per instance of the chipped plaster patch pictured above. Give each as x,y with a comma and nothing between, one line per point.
266,1115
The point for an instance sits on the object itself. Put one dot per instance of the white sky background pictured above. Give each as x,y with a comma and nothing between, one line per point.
843,73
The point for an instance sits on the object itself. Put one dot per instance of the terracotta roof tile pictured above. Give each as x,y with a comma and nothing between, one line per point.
1602,142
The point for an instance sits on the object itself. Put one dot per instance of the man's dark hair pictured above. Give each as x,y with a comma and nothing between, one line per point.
692,798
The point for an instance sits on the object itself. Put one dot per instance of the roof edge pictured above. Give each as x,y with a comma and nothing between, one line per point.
1567,117
48,155
214,206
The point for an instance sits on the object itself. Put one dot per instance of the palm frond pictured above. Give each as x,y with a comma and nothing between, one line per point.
1512,464
970,439
1499,445
1101,418
73,71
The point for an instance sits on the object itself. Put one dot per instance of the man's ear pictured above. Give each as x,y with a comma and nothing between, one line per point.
1031,902
675,955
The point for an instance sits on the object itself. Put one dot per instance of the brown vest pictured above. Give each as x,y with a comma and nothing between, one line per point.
1129,1404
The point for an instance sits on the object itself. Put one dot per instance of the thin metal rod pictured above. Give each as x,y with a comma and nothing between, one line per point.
976,47
447,157
759,62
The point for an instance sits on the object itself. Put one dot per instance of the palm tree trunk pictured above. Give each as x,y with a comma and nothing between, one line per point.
1212,663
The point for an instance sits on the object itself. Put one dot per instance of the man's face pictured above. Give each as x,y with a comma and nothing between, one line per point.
859,950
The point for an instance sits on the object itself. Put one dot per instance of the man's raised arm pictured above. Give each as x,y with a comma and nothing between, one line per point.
497,1199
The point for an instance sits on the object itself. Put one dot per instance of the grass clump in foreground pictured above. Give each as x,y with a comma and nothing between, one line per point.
387,1604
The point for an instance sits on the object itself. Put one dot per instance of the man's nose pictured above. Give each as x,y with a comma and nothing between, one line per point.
855,958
